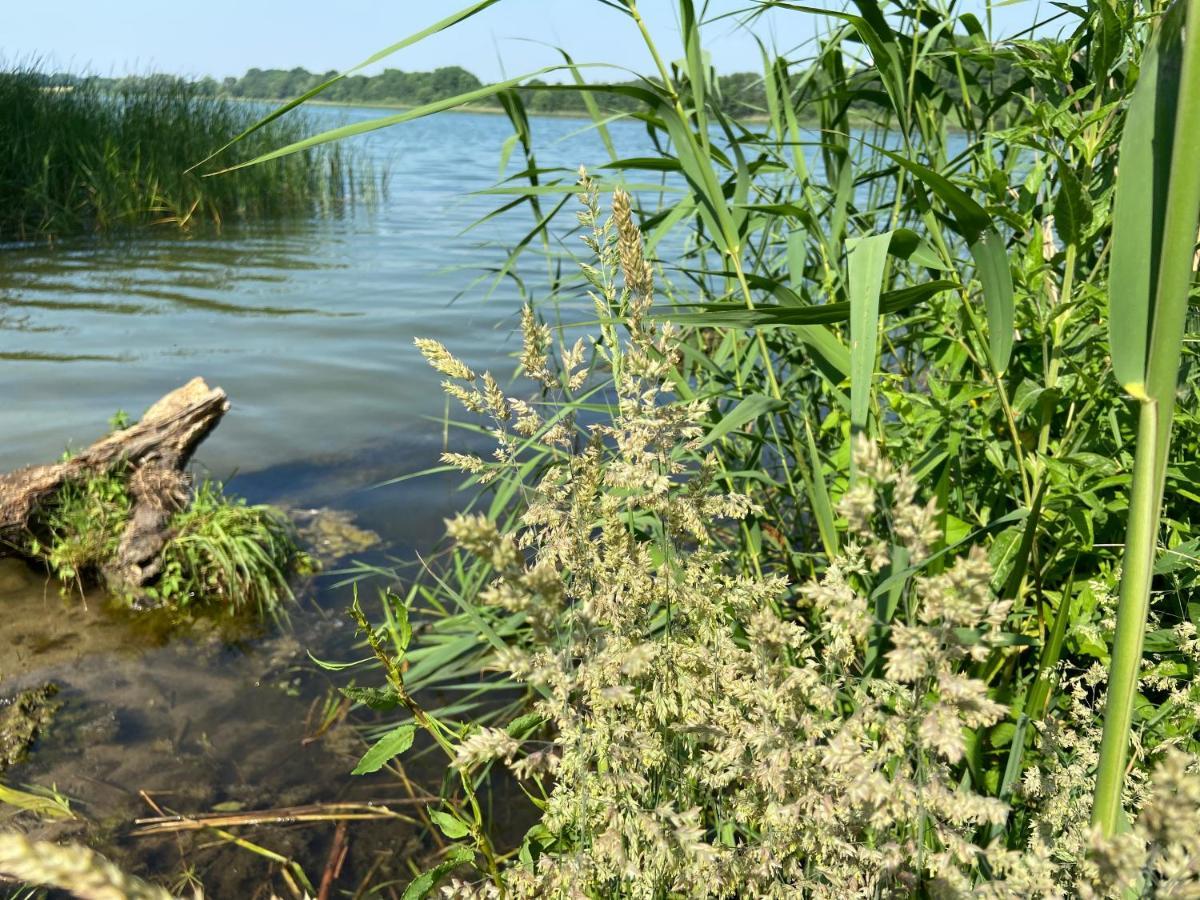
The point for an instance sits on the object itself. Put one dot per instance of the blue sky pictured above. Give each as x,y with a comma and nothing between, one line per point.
225,37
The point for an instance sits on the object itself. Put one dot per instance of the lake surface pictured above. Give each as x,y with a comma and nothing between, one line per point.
309,328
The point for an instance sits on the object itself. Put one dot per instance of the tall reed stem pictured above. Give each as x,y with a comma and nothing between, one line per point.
1132,609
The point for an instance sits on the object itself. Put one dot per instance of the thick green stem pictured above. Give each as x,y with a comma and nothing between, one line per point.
1126,664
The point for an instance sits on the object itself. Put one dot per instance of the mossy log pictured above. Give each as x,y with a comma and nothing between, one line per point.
153,454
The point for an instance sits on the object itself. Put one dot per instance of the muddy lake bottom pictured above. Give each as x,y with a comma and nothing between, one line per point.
201,719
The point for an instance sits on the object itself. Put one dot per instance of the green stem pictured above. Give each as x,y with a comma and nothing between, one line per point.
1132,608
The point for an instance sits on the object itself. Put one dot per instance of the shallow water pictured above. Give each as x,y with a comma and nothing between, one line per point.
309,329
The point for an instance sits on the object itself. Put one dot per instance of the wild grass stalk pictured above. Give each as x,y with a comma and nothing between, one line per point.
1156,211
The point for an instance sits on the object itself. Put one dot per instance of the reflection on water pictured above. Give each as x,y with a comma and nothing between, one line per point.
308,327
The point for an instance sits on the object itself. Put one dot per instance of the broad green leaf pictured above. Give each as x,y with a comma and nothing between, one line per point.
420,886
865,264
379,699
910,246
386,749
1072,211
450,826
401,627
749,409
523,726
1139,209
991,264
1175,275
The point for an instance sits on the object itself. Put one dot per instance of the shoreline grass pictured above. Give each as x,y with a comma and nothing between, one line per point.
88,161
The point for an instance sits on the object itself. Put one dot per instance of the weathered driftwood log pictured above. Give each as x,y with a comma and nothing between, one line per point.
155,451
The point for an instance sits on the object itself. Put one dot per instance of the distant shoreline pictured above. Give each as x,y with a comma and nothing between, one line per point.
466,108
469,107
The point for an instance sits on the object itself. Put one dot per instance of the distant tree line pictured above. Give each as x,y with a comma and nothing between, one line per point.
739,95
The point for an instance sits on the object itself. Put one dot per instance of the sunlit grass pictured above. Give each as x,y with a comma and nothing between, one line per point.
76,159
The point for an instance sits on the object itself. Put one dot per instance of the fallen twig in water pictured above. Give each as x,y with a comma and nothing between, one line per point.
333,867
290,815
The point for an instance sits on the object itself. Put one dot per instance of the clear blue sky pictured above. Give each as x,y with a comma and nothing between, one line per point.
226,37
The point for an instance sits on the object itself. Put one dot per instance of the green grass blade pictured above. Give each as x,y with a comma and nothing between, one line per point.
988,251
748,410
1139,209
865,262
991,264
357,128
714,314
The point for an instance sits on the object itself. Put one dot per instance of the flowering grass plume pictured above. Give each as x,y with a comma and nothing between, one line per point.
709,733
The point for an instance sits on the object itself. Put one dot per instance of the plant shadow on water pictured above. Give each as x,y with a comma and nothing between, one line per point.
213,717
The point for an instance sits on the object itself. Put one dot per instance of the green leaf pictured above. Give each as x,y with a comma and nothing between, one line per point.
822,506
749,409
1072,212
386,749
449,825
417,112
440,25
971,218
524,725
1140,206
991,263
987,249
865,263
379,699
826,313
402,628
910,246
425,882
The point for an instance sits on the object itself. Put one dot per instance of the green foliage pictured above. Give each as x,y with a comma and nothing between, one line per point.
80,156
226,553
222,555
973,351
1155,212
81,526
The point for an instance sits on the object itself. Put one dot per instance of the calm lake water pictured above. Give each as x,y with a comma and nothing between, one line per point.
309,329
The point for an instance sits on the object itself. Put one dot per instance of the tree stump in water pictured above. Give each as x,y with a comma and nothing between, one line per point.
155,451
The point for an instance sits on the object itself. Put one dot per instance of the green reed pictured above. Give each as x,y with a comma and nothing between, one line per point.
929,267
77,159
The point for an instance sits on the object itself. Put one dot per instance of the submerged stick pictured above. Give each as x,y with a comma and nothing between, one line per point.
290,815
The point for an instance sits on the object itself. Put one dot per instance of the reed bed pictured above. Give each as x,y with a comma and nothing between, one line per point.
76,158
